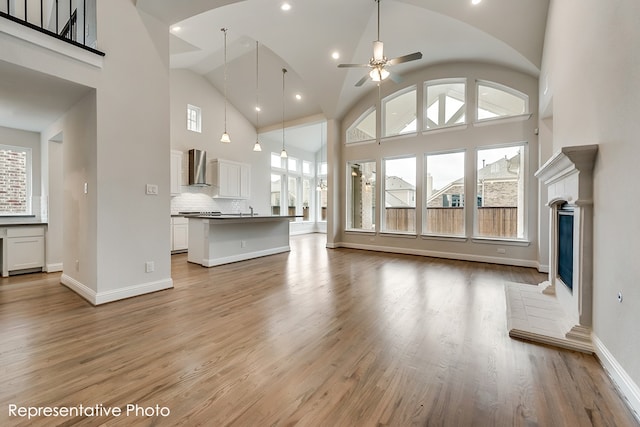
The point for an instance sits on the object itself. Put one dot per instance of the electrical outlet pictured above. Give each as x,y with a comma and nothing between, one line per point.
149,266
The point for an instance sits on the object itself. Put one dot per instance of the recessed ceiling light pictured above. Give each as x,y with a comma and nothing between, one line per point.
176,29
476,1
258,109
285,6
335,55
298,96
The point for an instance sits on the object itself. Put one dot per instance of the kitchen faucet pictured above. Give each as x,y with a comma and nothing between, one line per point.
251,209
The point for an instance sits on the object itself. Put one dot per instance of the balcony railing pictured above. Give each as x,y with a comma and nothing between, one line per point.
73,21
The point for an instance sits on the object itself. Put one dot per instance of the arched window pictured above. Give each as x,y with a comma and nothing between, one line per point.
444,103
496,101
363,129
399,112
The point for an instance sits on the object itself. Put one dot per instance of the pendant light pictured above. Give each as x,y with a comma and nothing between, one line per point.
225,136
283,153
257,146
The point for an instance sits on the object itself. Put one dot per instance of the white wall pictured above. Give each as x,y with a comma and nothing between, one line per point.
591,76
116,140
498,132
188,87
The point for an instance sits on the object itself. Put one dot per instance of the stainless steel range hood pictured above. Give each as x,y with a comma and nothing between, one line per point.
197,168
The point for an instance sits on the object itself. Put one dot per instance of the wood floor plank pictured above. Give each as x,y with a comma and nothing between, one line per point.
314,337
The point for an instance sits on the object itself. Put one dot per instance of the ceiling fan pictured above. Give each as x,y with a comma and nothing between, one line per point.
378,62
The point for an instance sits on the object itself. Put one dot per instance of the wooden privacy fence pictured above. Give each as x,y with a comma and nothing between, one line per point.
492,221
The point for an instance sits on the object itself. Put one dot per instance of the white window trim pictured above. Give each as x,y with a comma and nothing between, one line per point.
437,82
383,109
505,88
29,177
359,120
425,170
525,165
198,121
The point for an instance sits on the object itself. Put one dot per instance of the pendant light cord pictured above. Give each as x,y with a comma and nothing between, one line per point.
284,70
257,91
224,30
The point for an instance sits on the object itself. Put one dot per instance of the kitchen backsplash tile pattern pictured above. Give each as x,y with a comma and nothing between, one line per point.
200,201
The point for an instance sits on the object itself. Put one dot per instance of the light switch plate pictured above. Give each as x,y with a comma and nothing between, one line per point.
152,189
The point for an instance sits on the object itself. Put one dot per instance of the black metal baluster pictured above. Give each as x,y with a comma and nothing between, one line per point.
69,26
8,7
41,16
57,31
26,18
84,22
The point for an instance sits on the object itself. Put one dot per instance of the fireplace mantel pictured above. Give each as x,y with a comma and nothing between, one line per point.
568,175
552,313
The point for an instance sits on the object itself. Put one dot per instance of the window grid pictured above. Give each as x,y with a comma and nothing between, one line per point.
194,118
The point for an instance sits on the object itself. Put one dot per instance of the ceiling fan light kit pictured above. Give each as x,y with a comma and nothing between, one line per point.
378,61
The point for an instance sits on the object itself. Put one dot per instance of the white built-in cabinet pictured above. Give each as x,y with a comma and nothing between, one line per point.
179,234
22,248
231,180
176,172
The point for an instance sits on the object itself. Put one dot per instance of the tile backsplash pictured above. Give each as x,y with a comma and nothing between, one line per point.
198,200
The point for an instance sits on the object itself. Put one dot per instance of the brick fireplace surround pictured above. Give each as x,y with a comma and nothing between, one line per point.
552,313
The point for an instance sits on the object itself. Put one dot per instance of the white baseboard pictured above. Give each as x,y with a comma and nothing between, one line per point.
54,267
626,386
543,268
437,254
97,298
212,262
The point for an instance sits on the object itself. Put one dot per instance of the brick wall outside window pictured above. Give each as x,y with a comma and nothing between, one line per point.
13,182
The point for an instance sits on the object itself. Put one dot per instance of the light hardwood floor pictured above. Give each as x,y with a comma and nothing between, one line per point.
314,337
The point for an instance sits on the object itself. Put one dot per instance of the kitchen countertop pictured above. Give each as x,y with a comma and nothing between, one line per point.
21,224
243,217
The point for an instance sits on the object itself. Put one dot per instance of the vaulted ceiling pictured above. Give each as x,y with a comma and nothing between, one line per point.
302,39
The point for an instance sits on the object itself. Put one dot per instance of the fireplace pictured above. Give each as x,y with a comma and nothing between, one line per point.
565,245
558,311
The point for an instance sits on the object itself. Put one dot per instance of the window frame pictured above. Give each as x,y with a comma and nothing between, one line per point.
359,120
507,89
348,198
524,239
383,196
439,82
28,178
198,119
383,108
425,233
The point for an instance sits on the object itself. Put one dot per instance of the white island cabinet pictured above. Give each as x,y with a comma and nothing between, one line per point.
217,240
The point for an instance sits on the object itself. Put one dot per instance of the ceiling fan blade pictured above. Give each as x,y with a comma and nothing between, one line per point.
405,58
352,65
362,80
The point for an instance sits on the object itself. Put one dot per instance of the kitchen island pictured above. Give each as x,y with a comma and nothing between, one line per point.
222,239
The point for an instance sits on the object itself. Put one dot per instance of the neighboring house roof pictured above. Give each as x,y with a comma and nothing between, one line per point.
503,169
397,183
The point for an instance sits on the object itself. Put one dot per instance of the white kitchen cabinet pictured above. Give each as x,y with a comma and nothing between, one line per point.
23,248
231,180
179,234
176,172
